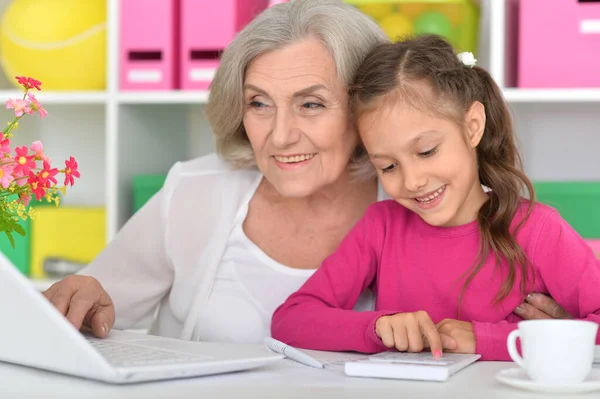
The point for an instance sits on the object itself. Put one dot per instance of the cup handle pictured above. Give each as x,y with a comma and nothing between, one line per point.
511,343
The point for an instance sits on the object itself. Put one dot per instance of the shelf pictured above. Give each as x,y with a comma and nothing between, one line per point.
515,95
42,284
163,97
511,95
125,97
361,2
57,97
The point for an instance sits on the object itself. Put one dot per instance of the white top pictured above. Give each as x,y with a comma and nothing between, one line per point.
248,288
170,252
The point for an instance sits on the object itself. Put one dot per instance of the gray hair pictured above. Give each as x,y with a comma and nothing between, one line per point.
347,33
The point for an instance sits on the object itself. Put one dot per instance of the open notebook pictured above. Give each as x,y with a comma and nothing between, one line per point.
410,366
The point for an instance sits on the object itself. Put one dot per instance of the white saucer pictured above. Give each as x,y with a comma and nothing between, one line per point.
518,378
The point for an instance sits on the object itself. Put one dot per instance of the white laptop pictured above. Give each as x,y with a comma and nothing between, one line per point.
35,334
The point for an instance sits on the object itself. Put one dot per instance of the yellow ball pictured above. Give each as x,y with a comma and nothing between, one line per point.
396,26
60,42
413,10
377,10
453,11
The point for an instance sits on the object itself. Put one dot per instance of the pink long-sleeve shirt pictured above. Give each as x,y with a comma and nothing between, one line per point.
410,266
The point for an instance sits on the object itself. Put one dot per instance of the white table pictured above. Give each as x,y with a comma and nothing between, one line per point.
277,381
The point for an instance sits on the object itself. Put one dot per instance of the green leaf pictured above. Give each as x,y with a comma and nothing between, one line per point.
10,238
19,229
4,225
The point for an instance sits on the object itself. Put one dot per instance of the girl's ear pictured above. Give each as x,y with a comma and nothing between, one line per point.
475,123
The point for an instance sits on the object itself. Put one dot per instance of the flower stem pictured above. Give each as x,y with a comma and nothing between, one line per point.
12,124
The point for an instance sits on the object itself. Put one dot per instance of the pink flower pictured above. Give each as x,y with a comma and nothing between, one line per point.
6,176
38,148
28,83
36,106
19,178
24,198
47,175
70,171
37,188
20,106
4,147
23,162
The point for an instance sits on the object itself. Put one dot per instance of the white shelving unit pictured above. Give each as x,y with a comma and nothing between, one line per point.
116,135
515,96
161,97
558,128
65,98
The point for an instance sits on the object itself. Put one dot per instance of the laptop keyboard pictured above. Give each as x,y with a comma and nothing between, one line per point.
123,354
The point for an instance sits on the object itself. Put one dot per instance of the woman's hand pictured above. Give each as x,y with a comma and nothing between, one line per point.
461,332
84,302
540,306
412,332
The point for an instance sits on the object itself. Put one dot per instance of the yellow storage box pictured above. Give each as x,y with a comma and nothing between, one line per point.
75,234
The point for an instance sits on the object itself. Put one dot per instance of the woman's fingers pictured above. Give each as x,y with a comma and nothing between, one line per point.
82,300
540,306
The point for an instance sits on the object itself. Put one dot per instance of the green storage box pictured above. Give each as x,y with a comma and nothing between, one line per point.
144,187
577,201
19,255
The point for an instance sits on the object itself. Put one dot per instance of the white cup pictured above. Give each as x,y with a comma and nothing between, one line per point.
555,351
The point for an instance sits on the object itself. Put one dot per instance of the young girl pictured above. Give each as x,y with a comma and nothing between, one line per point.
458,248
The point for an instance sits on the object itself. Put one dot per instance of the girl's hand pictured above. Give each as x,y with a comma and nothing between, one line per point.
410,332
461,332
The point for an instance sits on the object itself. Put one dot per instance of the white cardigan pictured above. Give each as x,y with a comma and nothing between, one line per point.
168,253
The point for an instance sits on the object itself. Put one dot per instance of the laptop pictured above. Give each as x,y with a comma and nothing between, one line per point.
35,334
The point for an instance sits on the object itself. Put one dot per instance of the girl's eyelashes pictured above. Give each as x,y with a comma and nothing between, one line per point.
389,168
425,154
429,153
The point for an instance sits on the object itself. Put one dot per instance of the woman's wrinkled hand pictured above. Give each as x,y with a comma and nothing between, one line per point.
540,306
83,301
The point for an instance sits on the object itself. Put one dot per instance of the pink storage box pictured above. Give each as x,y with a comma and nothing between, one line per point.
207,27
595,244
148,44
559,44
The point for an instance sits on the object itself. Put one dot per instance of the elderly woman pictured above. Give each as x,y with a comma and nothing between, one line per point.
230,237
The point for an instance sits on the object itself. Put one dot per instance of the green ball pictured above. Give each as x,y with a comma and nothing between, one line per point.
434,22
